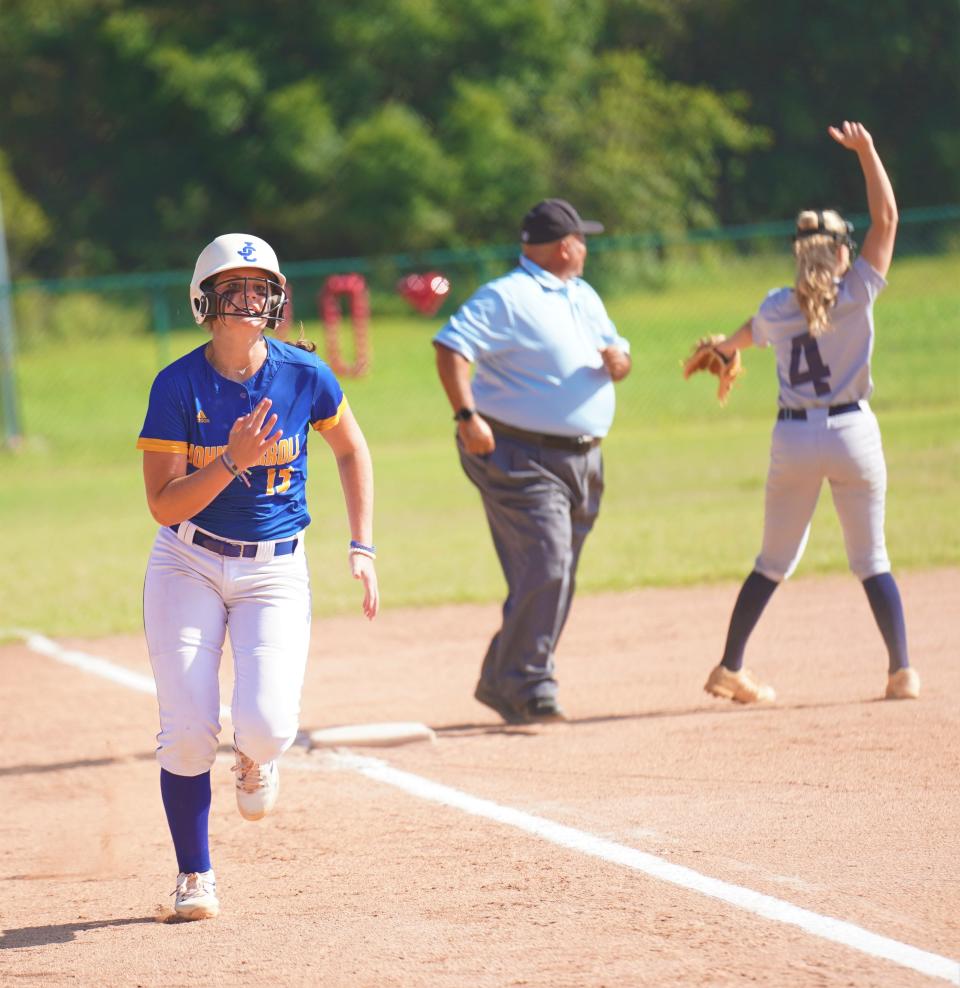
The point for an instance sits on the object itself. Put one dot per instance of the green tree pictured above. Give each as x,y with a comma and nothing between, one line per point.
143,128
28,228
640,151
503,167
394,188
889,64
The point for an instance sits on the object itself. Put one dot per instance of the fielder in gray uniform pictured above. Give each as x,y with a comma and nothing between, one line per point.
822,333
529,428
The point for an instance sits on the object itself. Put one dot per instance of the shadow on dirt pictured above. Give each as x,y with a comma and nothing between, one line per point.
40,936
721,709
76,763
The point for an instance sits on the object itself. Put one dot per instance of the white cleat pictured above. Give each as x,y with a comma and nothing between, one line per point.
904,684
196,894
257,786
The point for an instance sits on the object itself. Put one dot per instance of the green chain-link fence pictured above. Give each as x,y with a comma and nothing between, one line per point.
81,341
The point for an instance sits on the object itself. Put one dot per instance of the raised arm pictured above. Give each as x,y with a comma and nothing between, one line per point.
878,243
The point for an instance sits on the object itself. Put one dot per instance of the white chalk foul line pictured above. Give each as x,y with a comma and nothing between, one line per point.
778,910
92,663
755,902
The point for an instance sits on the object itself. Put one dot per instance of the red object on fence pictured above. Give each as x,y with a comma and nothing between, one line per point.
354,288
425,292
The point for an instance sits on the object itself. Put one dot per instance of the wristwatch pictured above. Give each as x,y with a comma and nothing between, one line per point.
465,414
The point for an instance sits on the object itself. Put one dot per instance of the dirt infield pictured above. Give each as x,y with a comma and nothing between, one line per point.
830,801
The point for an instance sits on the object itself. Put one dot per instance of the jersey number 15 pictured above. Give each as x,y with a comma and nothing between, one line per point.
272,486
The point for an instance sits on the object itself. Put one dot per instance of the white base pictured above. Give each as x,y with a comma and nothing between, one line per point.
370,735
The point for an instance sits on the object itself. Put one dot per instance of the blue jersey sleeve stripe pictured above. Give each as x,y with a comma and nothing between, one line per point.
321,425
161,445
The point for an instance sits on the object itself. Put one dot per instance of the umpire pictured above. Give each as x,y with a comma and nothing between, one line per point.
529,428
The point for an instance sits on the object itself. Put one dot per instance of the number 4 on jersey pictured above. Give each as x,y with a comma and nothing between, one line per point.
817,371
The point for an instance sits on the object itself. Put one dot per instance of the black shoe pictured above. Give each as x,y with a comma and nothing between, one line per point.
543,710
496,703
537,710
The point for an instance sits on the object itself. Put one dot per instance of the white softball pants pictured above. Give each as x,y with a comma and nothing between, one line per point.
846,450
191,598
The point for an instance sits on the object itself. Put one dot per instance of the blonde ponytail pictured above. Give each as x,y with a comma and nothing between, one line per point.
816,255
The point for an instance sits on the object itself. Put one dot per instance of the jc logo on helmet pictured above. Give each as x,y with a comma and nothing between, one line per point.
248,252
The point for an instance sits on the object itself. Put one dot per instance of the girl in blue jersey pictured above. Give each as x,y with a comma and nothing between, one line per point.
225,464
822,333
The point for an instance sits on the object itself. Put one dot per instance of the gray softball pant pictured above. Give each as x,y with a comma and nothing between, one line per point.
540,503
846,450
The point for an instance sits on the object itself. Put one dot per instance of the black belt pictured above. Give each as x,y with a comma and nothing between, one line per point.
237,550
800,414
575,444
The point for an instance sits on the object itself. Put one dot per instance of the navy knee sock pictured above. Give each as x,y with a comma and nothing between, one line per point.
753,597
186,800
887,609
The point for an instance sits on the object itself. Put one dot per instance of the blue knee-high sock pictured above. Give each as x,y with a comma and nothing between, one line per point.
884,597
753,597
186,800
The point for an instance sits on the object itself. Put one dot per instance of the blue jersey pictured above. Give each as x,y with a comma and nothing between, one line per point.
192,409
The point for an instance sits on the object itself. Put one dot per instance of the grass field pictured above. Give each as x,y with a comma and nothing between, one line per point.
685,478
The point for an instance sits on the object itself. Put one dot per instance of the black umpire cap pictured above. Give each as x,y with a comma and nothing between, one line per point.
552,220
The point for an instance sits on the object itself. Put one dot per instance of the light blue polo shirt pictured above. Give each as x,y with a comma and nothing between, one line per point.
535,341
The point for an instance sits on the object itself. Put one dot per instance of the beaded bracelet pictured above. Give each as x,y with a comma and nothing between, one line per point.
359,549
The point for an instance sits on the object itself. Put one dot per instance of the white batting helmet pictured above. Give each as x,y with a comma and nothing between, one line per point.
229,251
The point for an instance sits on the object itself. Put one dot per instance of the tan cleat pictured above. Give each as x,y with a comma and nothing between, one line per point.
740,686
904,684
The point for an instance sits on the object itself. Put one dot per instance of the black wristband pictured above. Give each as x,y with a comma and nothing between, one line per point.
464,414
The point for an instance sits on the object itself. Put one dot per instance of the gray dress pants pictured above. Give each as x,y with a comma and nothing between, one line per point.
541,503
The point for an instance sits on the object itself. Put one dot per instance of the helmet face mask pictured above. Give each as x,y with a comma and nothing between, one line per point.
249,295
244,296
